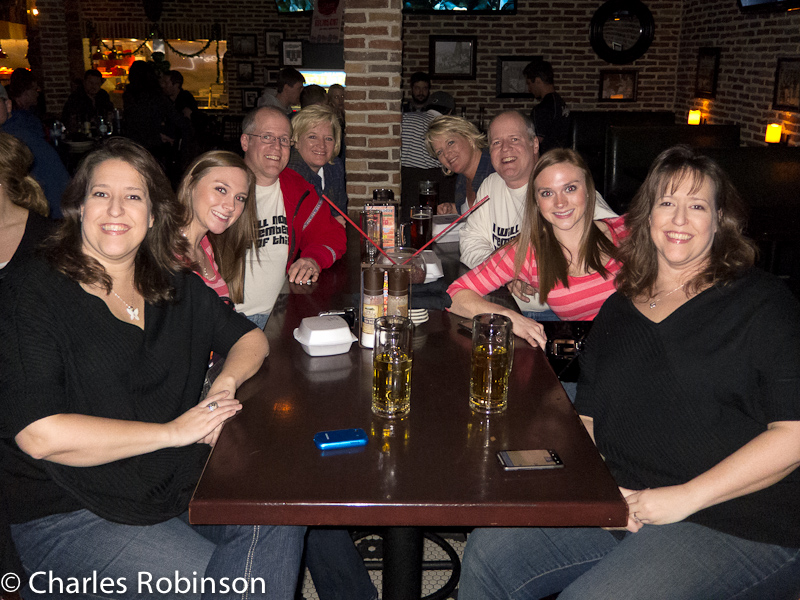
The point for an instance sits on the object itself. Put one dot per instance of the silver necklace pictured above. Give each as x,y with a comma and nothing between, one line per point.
655,299
133,313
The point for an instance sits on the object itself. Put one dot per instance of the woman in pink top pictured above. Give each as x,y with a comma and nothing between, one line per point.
218,191
569,258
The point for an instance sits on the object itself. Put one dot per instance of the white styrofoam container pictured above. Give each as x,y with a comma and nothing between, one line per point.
324,336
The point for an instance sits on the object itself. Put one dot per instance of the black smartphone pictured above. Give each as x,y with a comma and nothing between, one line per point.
521,460
340,438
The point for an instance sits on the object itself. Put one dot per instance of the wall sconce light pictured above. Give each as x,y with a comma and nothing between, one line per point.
694,117
774,133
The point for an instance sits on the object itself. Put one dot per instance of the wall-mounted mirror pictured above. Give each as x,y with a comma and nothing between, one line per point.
621,31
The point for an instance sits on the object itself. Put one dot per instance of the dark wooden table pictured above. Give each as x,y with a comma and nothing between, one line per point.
435,468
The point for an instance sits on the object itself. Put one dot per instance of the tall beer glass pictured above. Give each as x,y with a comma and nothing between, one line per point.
391,364
492,354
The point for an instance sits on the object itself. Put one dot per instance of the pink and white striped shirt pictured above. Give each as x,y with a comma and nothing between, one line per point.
216,283
581,301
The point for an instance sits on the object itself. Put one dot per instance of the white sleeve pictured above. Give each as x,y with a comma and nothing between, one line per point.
475,240
601,208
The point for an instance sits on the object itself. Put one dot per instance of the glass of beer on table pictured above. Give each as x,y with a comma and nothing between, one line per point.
421,226
492,354
391,365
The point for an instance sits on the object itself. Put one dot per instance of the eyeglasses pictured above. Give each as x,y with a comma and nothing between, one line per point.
268,138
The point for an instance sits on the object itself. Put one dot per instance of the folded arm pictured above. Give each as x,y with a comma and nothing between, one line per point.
762,462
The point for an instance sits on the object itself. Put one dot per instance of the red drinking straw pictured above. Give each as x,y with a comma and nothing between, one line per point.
361,231
446,229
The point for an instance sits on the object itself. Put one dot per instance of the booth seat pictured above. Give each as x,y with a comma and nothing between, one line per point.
768,179
631,150
588,133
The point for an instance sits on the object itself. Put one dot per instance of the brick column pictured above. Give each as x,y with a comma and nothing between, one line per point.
55,69
373,63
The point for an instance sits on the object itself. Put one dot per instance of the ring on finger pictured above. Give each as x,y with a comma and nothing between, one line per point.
212,406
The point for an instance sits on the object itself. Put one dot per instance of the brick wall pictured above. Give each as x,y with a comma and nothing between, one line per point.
559,31
373,58
555,29
750,46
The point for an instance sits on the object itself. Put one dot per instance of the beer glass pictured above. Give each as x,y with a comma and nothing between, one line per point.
429,193
492,354
391,366
421,226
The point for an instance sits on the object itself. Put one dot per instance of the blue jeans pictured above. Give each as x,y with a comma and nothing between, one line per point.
336,566
169,560
545,315
260,319
681,561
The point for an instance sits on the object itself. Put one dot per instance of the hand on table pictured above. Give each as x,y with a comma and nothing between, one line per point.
446,208
203,423
658,506
304,270
528,329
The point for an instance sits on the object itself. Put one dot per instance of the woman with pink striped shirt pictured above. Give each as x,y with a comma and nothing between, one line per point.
218,191
569,258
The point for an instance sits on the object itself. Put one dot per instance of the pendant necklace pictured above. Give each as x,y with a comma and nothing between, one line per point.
199,262
655,300
133,313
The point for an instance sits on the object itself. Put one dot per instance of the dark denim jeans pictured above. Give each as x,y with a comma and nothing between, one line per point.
80,552
681,561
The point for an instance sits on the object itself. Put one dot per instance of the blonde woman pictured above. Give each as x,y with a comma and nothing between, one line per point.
317,136
463,150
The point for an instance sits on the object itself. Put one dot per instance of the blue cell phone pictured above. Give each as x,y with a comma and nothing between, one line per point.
340,438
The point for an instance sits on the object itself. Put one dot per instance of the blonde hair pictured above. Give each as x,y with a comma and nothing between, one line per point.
446,124
20,187
231,245
313,115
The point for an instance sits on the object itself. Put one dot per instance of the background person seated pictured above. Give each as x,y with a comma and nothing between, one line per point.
23,124
87,104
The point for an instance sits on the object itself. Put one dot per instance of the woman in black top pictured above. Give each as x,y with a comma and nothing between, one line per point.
690,385
23,206
106,345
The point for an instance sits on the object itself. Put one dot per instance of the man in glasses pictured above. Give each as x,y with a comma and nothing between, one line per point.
297,236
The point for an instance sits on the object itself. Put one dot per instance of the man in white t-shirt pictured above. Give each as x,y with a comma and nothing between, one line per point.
295,228
514,150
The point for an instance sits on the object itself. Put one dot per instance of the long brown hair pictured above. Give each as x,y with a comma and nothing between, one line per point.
537,233
21,188
231,245
731,252
158,255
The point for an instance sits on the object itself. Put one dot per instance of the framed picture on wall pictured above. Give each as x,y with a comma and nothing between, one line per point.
244,72
452,56
787,85
705,85
510,81
270,75
250,97
244,45
618,86
272,42
291,53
